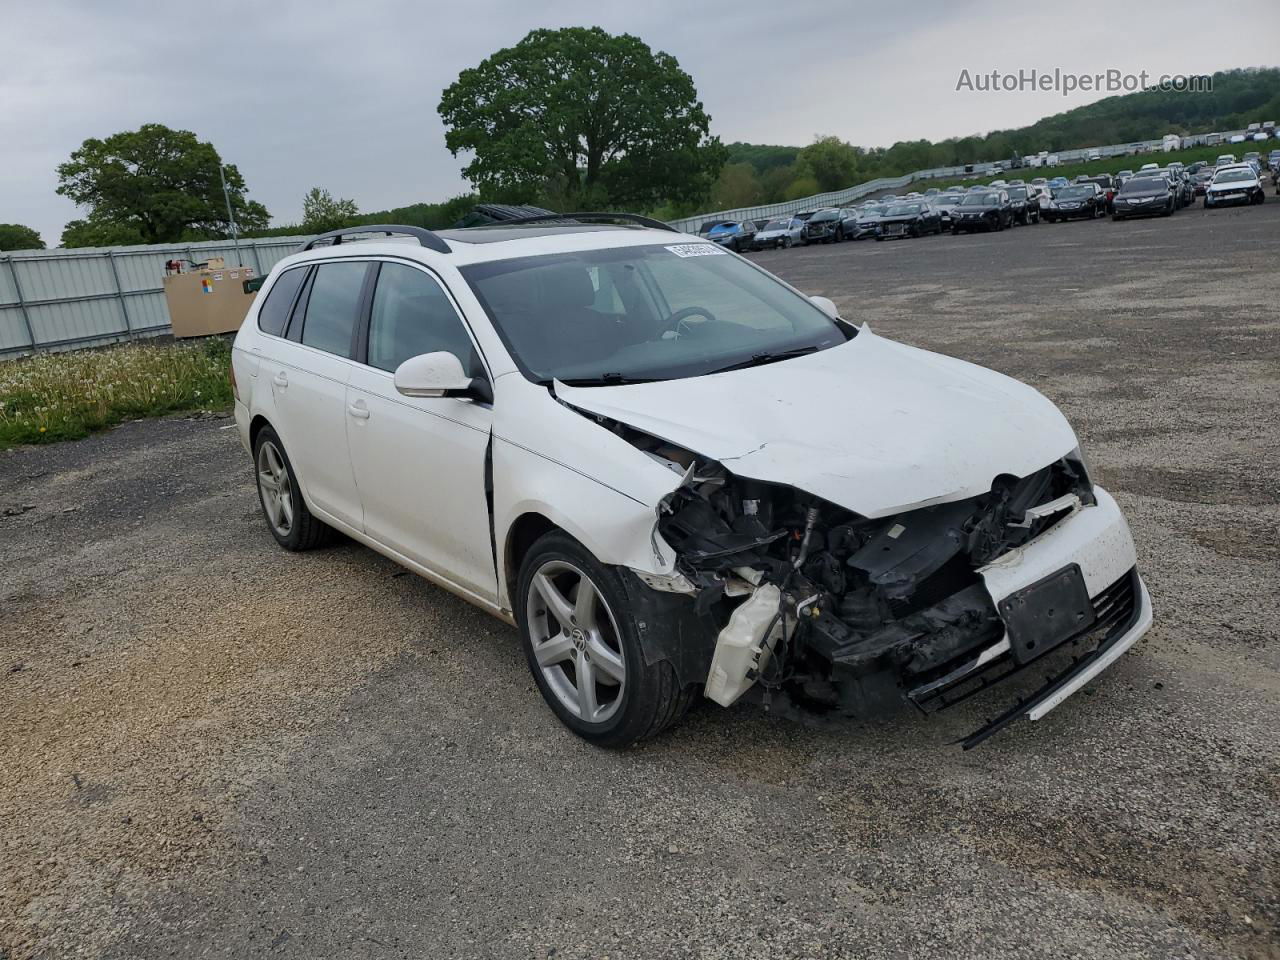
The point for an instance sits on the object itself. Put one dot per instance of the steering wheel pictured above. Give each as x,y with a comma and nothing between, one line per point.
676,322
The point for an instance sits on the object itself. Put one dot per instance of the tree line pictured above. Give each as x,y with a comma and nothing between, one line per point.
579,118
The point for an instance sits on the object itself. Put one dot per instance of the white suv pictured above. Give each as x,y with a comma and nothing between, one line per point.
678,475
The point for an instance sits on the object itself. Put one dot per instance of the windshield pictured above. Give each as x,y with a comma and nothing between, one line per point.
1017,193
1228,176
823,215
1074,193
1142,185
903,210
980,200
872,212
643,313
777,225
947,200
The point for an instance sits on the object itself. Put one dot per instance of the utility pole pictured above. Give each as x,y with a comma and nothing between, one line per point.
231,217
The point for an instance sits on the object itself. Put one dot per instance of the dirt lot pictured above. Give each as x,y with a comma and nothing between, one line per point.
213,748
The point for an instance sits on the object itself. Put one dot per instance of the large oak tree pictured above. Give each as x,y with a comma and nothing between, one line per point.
152,185
585,115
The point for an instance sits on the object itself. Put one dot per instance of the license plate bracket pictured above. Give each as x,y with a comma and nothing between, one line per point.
1047,613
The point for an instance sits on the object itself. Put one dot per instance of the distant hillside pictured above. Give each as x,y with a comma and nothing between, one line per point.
1238,98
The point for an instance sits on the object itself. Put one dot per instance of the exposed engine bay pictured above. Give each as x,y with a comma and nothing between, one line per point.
830,613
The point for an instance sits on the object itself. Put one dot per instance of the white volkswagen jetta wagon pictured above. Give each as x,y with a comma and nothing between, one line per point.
679,476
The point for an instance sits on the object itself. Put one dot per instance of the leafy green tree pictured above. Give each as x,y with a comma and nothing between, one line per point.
775,181
157,184
14,236
97,232
737,186
576,111
321,212
829,161
801,187
763,157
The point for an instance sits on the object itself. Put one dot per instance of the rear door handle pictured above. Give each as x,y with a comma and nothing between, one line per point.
358,410
280,380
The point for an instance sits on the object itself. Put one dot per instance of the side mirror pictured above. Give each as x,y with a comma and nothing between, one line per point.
439,375
827,306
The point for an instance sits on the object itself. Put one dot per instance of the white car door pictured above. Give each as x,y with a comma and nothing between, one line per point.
309,383
420,462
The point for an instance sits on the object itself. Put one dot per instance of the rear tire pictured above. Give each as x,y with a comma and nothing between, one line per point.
627,699
280,495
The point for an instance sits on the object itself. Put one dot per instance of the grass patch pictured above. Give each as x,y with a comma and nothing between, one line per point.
65,396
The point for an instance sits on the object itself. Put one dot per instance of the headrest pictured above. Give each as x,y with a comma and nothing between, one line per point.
565,286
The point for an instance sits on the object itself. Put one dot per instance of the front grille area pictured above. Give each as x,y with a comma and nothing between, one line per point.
1116,604
1115,608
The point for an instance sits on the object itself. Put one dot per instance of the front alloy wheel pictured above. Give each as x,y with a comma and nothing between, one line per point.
583,647
575,642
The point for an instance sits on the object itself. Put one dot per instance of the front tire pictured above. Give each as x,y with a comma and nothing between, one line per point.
280,495
584,651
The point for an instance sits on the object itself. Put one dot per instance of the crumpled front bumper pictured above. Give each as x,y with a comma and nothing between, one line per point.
1097,540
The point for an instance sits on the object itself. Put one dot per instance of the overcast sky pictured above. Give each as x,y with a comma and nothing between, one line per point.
344,95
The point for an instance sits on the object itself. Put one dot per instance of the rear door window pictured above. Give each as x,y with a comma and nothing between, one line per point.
333,307
274,312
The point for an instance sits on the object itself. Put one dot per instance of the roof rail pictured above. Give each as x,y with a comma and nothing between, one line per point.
592,215
425,237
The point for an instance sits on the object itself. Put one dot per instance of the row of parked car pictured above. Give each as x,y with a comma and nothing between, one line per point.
1152,190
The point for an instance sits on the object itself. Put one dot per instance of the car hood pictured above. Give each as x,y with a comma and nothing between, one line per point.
1232,185
871,425
902,218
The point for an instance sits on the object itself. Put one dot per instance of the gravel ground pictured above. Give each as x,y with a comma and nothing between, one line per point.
215,749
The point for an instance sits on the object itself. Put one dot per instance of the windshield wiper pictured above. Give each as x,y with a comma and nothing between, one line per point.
760,359
611,379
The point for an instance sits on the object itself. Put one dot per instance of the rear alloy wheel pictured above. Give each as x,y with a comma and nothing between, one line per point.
283,506
584,650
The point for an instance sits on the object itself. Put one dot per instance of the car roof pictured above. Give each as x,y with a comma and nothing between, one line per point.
469,245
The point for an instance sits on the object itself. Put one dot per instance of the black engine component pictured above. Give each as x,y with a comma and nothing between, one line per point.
885,602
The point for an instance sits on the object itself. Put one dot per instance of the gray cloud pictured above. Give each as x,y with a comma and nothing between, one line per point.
343,95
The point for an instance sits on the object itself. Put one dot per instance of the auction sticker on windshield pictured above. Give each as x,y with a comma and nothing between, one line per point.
697,250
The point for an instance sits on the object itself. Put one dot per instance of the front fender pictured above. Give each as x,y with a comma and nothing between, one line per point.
618,529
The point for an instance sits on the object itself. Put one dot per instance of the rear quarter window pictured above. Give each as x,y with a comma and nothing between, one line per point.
274,312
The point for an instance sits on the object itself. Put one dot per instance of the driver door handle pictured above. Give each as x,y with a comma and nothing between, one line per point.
280,380
358,410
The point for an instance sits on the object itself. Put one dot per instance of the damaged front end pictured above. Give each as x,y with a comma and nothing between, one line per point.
829,613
